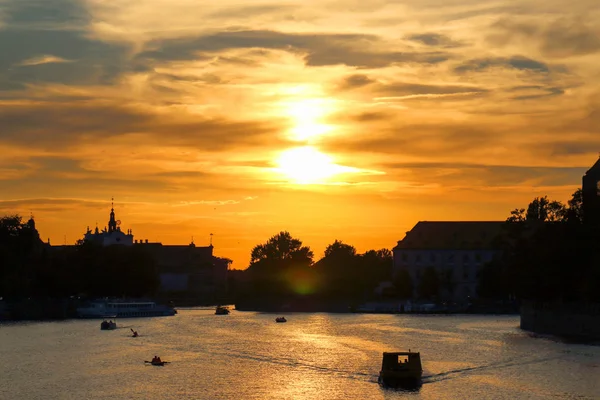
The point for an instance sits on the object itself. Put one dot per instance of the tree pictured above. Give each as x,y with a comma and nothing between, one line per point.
281,248
339,249
517,215
281,267
575,210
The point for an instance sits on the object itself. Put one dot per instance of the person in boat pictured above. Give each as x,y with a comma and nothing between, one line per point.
156,359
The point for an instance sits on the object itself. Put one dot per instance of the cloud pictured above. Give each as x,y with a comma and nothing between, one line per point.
355,81
561,37
471,174
319,49
434,40
49,204
56,125
417,89
41,35
44,59
515,62
535,92
403,89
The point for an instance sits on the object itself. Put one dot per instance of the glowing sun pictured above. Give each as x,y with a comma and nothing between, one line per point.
306,165
306,115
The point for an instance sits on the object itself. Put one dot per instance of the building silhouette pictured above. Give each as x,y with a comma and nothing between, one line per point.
186,271
457,250
591,195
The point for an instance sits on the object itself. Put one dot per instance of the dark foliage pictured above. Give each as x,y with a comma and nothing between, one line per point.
282,270
548,254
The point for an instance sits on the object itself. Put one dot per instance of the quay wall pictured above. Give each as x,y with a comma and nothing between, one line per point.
576,321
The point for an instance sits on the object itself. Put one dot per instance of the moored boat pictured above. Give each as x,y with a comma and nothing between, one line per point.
124,309
220,310
401,369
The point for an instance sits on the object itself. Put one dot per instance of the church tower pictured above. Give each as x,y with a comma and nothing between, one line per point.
591,195
112,222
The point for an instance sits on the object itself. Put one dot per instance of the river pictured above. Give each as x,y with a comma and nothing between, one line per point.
246,355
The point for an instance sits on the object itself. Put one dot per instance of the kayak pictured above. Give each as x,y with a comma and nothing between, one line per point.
157,363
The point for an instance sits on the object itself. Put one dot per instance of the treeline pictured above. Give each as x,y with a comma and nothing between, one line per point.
31,269
549,253
283,270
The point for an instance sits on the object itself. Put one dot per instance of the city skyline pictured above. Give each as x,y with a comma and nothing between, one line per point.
330,119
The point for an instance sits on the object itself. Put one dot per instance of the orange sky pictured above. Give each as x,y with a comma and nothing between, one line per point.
331,119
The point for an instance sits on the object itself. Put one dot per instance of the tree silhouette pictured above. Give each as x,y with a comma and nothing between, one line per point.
281,248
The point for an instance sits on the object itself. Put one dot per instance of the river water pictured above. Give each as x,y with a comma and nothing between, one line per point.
246,355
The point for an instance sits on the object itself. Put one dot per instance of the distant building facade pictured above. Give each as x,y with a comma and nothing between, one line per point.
591,195
186,271
456,250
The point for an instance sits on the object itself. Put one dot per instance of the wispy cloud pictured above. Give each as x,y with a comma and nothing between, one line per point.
44,59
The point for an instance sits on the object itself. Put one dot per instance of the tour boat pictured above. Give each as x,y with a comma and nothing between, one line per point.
124,309
221,310
280,319
401,369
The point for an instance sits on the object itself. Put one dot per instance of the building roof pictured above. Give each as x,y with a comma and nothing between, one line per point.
595,169
452,235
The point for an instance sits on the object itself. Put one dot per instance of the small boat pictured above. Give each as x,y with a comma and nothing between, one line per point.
108,324
221,310
157,363
280,319
401,369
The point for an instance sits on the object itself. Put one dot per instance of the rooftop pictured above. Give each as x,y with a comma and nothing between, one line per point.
450,235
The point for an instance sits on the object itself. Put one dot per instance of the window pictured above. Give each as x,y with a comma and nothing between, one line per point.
418,258
478,257
404,257
451,258
432,257
466,258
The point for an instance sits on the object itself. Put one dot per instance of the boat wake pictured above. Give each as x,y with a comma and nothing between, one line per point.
356,375
503,364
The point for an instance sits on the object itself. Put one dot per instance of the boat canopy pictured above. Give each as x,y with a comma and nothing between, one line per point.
393,360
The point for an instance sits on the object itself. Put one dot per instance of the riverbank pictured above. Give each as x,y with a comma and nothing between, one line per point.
575,322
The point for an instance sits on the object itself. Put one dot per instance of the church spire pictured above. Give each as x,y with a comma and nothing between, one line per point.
112,222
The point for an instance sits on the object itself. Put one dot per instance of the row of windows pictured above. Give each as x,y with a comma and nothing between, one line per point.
466,273
433,257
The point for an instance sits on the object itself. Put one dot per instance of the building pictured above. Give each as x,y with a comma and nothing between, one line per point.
186,271
456,250
111,235
591,195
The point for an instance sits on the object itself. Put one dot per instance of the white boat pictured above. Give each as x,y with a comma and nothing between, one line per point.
124,309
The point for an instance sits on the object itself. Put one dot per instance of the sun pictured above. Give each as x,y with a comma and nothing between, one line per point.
307,116
306,165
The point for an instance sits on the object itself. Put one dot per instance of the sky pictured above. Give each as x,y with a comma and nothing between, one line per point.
331,119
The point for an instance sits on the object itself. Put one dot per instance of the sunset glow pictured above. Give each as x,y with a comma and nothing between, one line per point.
329,119
305,165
